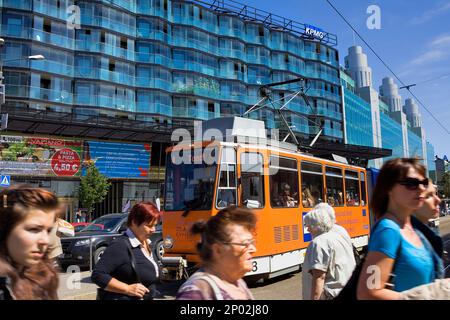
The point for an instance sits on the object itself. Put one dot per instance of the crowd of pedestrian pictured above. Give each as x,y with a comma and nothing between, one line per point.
404,258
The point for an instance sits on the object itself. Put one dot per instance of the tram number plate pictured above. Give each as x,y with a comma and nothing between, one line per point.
260,265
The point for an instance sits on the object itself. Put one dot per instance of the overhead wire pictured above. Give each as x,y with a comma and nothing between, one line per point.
387,66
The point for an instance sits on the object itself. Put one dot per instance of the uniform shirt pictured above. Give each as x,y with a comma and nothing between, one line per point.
413,266
331,253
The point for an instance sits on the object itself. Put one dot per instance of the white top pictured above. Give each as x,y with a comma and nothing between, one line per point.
136,243
342,232
331,253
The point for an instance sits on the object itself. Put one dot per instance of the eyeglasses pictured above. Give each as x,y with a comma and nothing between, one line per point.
245,244
413,183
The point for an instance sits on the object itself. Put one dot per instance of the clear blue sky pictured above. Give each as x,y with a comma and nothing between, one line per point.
414,40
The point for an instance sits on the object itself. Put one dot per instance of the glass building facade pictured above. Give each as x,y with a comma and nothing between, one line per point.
161,60
358,127
415,145
431,164
391,136
358,116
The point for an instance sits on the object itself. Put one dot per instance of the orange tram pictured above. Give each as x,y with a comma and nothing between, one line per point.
279,183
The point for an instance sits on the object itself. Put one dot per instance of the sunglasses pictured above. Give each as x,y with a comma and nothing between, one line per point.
413,183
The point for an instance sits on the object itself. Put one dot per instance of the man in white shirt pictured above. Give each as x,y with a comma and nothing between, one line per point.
336,228
329,260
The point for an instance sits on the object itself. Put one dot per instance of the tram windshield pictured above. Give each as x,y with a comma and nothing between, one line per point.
189,186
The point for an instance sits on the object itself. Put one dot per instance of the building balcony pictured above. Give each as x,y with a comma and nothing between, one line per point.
51,95
195,44
112,102
91,46
154,108
153,58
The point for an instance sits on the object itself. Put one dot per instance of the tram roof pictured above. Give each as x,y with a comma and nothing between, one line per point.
237,130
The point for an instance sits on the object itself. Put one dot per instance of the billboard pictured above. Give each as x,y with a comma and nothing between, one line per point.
40,156
118,160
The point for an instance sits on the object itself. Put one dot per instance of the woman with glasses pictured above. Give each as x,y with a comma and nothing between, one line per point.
226,249
399,257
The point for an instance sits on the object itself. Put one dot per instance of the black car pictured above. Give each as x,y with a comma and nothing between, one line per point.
96,237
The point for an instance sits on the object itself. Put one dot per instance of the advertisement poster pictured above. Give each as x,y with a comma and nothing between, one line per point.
118,160
40,156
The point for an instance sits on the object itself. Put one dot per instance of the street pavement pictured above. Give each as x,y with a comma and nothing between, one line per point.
77,286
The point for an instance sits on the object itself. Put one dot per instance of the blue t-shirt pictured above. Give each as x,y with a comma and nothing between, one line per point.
413,266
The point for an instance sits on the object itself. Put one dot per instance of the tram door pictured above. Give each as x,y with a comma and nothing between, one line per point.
251,177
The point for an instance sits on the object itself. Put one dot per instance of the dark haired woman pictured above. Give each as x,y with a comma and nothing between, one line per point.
27,215
226,249
395,246
127,269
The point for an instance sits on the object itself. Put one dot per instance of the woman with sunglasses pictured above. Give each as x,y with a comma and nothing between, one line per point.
226,250
395,247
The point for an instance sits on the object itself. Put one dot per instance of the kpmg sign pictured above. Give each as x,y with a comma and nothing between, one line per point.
314,31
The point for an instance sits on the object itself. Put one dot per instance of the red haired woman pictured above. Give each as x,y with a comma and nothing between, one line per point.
127,269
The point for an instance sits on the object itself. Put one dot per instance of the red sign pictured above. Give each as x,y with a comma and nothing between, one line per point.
65,162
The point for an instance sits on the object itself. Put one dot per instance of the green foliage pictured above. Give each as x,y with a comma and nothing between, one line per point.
16,150
93,189
446,179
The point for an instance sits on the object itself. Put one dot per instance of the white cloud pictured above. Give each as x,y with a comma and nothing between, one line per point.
438,49
441,41
429,57
428,15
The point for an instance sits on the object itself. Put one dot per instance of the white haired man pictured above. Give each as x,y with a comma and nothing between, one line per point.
336,228
329,260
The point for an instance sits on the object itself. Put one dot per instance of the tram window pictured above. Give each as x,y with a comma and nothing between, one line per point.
252,180
351,188
312,184
227,176
283,182
335,191
363,188
226,193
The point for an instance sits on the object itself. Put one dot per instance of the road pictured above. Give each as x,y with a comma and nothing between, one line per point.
77,286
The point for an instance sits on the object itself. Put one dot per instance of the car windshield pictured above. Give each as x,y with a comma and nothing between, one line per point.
104,224
189,186
79,228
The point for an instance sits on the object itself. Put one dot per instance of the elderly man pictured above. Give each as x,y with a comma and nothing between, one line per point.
336,228
329,260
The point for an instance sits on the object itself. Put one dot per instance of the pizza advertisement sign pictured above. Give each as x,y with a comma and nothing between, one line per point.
40,156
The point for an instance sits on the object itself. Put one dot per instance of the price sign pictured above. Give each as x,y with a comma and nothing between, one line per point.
65,162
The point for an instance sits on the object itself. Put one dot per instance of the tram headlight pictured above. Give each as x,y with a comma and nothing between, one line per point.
168,242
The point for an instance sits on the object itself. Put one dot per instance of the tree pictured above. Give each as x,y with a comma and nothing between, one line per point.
446,179
93,188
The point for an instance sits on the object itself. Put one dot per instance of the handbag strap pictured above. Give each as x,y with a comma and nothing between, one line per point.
132,259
